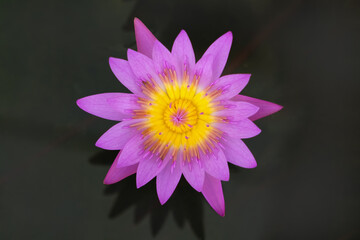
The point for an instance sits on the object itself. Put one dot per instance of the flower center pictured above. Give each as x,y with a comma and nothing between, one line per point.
180,116
177,117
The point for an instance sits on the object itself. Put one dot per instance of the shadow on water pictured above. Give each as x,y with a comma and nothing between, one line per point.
185,204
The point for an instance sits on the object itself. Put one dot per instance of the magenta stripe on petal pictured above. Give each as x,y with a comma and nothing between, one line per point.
220,50
144,38
194,174
183,52
237,153
112,106
266,108
231,85
116,174
240,129
213,194
117,136
167,180
130,155
217,166
124,74
148,168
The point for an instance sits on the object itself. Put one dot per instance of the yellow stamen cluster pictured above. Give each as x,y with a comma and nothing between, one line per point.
177,116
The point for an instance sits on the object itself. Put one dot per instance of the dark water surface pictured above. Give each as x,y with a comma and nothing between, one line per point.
304,55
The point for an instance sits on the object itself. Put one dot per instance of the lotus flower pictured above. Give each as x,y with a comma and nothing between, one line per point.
182,118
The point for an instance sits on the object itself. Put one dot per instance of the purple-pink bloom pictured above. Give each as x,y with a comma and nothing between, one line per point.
182,119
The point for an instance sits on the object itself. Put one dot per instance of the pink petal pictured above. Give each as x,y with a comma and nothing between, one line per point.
117,174
184,53
167,180
213,194
194,174
203,69
237,153
240,129
131,152
124,74
142,66
117,136
236,111
220,50
112,106
144,38
148,169
217,166
162,58
266,108
231,85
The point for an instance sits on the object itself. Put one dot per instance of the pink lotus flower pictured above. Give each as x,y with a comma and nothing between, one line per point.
182,118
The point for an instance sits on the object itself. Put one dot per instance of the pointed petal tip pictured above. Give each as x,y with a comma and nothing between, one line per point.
229,34
183,35
100,144
274,108
112,63
115,174
256,133
163,199
248,75
258,108
130,51
238,153
245,77
85,104
138,185
111,60
139,181
107,181
254,107
78,103
255,164
251,165
82,103
138,23
221,212
278,107
183,32
97,144
162,202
